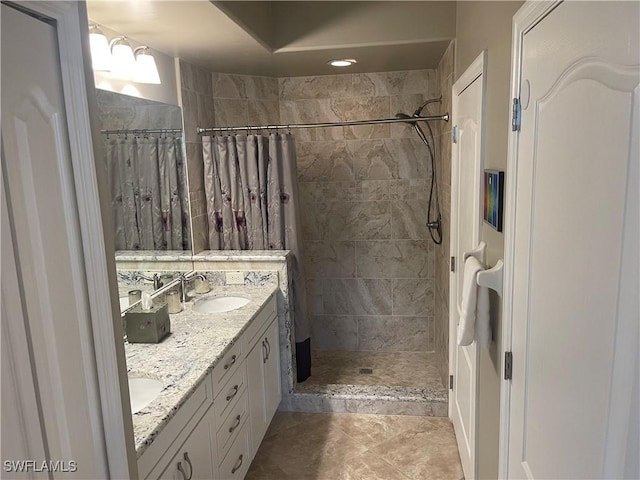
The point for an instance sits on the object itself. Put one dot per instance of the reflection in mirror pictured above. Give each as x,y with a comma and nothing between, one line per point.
131,284
148,272
144,159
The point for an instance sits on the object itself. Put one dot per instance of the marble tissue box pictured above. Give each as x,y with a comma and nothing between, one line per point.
149,326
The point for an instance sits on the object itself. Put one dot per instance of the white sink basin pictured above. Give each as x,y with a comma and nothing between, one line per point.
143,391
219,304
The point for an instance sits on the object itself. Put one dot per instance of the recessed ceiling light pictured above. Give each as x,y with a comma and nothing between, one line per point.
342,62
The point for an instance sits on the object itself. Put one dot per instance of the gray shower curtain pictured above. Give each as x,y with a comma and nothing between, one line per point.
147,184
252,204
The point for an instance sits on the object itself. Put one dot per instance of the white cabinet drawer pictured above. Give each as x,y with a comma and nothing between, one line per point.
227,365
226,396
228,427
236,463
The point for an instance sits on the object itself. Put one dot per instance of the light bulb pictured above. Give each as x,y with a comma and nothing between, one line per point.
343,62
100,53
146,70
123,62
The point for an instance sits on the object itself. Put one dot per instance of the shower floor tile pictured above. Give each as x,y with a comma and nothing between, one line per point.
401,369
336,446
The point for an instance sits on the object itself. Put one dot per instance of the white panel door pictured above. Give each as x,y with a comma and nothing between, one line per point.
47,287
575,247
466,178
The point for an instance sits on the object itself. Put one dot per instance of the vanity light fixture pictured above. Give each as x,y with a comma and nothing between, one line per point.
124,63
146,70
100,53
342,62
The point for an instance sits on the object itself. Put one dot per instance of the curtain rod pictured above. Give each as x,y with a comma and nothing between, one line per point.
444,117
144,130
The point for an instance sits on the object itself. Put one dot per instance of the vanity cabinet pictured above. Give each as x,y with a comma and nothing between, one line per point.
263,373
216,433
193,460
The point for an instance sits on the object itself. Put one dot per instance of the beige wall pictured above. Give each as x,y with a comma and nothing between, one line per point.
444,77
479,26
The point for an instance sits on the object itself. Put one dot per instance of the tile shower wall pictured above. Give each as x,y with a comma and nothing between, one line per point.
197,109
444,74
368,258
241,100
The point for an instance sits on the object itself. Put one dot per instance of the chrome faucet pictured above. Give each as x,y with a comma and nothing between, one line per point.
155,279
184,284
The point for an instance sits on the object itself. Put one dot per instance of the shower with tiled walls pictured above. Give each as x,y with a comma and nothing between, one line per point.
376,288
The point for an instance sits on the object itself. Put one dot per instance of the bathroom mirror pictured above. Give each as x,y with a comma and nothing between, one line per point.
144,158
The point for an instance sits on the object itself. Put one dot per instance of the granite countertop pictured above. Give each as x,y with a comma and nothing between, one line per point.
150,255
183,359
241,255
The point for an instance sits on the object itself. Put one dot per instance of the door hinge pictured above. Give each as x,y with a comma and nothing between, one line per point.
452,264
450,382
516,115
454,134
508,365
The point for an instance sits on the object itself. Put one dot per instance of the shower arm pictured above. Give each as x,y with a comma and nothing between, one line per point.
428,102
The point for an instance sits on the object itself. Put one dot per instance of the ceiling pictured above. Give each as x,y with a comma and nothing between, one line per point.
290,38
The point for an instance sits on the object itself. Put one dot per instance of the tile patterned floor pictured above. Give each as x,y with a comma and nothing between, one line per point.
404,369
335,446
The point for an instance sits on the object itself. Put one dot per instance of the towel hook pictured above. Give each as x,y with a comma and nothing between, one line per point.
478,253
492,278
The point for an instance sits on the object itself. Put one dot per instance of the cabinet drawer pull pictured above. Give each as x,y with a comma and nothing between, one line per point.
181,470
264,353
233,360
235,392
266,340
188,460
235,425
238,465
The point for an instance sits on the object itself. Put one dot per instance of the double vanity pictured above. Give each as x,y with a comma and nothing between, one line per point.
203,397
